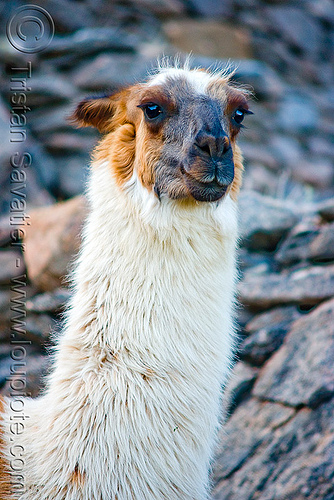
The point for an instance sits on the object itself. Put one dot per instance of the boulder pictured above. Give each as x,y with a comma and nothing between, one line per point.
309,240
305,286
301,372
51,242
264,220
269,452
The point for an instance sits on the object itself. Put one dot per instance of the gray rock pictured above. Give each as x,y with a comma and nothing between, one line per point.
299,29
250,425
7,148
268,331
286,149
307,241
68,16
326,210
64,142
305,286
88,41
260,77
212,8
50,121
290,460
73,171
297,113
302,371
39,327
316,172
259,155
279,317
49,88
321,146
110,71
264,220
5,305
11,265
239,386
36,367
49,302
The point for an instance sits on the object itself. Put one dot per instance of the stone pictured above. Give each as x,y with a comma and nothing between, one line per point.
249,260
164,8
290,460
252,424
264,220
278,316
49,302
286,149
49,88
73,174
110,71
317,172
307,241
7,147
299,29
68,16
5,312
258,178
51,241
39,326
87,41
208,37
259,155
212,8
239,386
304,286
326,210
50,121
262,79
302,370
297,113
64,142
267,333
36,367
320,146
5,231
11,265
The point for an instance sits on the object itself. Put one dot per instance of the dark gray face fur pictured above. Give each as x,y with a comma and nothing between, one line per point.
196,158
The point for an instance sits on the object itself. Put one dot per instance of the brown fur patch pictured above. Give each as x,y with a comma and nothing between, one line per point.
5,479
238,171
77,477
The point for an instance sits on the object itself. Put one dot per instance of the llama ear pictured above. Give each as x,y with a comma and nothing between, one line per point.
95,112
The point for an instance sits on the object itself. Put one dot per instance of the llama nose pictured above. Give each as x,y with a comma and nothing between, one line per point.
213,145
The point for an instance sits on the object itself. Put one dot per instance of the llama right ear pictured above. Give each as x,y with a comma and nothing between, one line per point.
95,112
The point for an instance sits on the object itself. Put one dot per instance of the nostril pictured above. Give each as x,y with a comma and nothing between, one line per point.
204,147
225,144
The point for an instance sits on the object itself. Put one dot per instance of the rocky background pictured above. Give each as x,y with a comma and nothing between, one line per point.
278,441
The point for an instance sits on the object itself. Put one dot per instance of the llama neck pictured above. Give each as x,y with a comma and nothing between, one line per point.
151,275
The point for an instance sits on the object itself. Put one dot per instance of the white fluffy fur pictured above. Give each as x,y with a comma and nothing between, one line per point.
133,402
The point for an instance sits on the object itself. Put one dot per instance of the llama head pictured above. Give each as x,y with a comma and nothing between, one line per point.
176,133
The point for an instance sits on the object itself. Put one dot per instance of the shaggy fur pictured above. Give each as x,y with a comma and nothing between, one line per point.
133,404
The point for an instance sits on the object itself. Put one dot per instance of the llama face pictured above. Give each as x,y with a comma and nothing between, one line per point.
177,132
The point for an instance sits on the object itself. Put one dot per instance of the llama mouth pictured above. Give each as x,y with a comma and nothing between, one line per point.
204,191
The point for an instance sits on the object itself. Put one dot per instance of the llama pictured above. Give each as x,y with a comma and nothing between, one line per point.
133,404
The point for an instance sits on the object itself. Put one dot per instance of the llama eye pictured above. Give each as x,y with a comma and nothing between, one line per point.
238,116
152,111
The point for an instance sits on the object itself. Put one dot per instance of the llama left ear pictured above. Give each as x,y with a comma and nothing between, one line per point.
95,112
